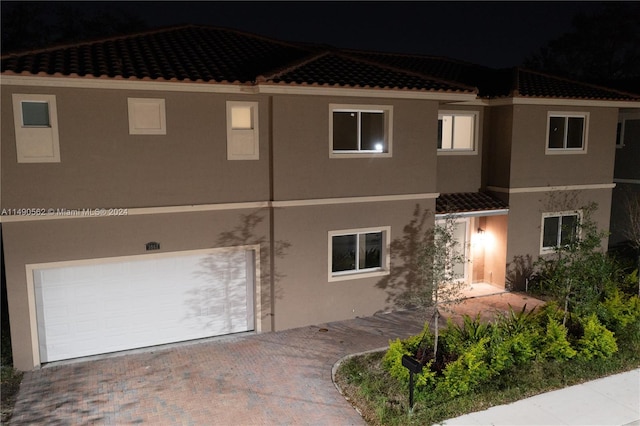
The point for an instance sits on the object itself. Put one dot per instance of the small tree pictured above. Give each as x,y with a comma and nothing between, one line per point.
441,285
577,271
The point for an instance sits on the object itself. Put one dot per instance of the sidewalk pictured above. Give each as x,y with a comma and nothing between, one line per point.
613,400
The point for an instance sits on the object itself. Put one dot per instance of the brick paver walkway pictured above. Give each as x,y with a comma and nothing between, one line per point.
279,378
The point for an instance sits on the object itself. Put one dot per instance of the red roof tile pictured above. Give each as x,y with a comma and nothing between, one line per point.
209,54
464,202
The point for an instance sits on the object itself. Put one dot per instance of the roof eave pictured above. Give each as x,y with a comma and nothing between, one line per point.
580,102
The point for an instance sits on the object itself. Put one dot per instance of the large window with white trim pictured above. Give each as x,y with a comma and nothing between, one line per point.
567,132
360,130
559,229
358,253
457,132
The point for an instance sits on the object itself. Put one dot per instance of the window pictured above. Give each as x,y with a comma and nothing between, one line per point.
559,229
360,131
567,132
36,128
457,132
242,131
361,252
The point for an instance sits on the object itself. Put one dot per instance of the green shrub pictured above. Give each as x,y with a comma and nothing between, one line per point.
457,338
392,360
514,339
597,341
468,371
555,344
618,310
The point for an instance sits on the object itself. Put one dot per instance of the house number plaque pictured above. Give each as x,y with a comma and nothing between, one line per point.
152,245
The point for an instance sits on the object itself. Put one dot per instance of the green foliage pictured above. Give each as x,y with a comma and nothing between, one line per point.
555,343
618,310
577,272
392,360
597,341
468,371
459,337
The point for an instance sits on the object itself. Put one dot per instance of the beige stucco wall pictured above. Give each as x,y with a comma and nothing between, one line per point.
302,168
531,167
103,166
304,294
94,238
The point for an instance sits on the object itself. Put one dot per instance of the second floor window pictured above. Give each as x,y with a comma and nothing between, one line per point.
456,132
360,130
566,132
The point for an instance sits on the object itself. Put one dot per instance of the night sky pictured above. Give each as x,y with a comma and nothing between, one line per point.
497,34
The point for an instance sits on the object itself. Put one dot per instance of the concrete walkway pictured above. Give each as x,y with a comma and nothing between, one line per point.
613,400
281,378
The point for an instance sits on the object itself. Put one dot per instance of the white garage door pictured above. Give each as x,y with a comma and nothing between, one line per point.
90,309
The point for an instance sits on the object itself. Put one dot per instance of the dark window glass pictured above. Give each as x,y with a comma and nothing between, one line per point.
372,131
569,229
619,134
556,132
343,253
550,232
575,131
345,131
372,256
440,134
35,114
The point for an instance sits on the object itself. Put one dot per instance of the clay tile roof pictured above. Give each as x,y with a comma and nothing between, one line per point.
463,202
179,53
438,67
535,84
218,55
337,69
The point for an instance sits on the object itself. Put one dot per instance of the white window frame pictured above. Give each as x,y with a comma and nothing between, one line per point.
386,110
585,133
363,273
36,144
476,132
547,250
243,142
137,119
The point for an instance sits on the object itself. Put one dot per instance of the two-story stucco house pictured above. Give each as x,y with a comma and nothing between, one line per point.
193,182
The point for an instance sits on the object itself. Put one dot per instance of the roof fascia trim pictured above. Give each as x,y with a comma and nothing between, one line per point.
479,213
170,86
100,83
564,102
366,93
551,188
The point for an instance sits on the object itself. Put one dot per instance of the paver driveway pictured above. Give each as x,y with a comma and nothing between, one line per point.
272,378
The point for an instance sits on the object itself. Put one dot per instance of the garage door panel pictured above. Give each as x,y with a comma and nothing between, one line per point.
90,309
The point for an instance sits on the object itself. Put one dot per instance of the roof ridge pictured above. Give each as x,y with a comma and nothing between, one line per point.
582,83
291,66
423,56
407,71
67,45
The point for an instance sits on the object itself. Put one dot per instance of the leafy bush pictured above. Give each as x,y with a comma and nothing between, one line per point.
619,310
457,338
597,341
392,360
555,344
468,371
